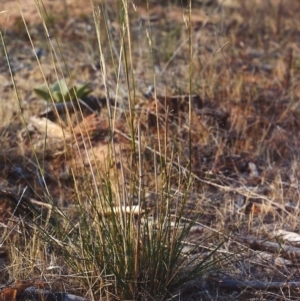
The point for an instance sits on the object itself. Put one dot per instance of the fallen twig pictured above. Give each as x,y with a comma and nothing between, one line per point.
288,252
259,285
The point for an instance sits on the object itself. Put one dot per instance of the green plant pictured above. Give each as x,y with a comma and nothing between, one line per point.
59,91
130,253
115,247
119,249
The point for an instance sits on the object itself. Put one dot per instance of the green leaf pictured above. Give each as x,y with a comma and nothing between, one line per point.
72,94
42,92
59,91
83,90
57,96
60,86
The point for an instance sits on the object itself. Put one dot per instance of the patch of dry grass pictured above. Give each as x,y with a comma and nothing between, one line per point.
244,132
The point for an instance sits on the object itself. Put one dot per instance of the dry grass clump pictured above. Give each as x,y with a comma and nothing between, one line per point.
152,195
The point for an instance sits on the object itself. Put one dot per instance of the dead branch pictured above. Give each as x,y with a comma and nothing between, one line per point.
258,285
287,252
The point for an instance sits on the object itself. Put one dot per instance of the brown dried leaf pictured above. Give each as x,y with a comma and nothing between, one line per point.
259,208
10,293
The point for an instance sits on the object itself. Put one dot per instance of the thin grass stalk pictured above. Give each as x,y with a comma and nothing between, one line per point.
24,123
19,103
111,117
113,53
124,196
112,47
55,58
54,54
127,62
150,42
190,83
126,27
11,74
96,16
41,169
139,204
128,233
